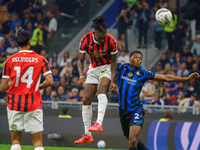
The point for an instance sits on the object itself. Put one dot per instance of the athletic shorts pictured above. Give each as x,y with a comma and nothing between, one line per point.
29,121
129,118
95,74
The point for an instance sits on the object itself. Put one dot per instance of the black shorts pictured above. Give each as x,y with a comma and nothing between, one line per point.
129,118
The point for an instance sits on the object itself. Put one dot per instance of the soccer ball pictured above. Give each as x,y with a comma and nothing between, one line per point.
163,16
101,144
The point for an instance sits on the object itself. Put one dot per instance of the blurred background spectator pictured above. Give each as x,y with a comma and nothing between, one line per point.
168,115
144,17
75,97
192,101
123,58
122,27
52,26
65,113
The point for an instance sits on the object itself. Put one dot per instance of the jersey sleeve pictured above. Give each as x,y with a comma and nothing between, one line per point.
149,75
114,49
6,71
83,45
45,67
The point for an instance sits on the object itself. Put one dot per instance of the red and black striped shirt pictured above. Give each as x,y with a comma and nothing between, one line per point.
100,53
24,69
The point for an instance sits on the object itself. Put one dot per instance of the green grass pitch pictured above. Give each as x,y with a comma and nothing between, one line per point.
7,147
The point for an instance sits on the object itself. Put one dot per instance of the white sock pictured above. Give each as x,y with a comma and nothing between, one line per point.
39,148
15,147
102,104
87,117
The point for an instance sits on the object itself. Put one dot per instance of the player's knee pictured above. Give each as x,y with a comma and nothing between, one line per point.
87,100
102,90
133,141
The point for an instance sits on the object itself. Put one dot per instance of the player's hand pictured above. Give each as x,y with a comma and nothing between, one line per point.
81,81
113,87
193,76
10,83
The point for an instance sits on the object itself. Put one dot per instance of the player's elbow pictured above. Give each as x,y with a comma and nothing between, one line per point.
51,82
4,88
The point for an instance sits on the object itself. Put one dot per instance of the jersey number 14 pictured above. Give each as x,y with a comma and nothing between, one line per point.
24,79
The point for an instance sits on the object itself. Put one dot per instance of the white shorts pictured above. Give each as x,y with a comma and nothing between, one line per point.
29,121
95,74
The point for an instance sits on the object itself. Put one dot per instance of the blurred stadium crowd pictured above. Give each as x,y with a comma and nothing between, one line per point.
43,17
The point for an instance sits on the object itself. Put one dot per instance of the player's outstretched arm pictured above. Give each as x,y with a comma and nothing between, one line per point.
4,84
47,82
171,78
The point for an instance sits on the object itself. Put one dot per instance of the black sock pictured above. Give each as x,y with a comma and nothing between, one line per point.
132,148
141,145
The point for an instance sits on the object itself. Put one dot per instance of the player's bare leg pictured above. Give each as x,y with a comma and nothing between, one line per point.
140,145
16,137
37,141
89,93
133,136
102,104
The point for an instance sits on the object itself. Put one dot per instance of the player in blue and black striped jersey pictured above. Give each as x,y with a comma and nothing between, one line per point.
131,77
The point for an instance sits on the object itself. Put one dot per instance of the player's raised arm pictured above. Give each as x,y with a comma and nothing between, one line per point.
171,78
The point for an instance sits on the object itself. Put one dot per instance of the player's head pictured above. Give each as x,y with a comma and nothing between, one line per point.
23,40
135,59
168,114
40,24
100,29
65,110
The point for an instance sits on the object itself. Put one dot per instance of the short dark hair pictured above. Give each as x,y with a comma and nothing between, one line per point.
135,52
168,114
65,110
22,38
99,24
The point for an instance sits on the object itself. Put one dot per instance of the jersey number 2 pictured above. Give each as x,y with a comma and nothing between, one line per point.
29,73
137,116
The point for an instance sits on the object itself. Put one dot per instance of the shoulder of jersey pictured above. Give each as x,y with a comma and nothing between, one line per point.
14,55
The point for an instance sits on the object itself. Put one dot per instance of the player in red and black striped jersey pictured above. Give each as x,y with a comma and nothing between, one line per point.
100,53
102,49
24,100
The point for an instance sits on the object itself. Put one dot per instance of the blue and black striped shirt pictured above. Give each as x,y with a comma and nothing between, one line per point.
130,83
